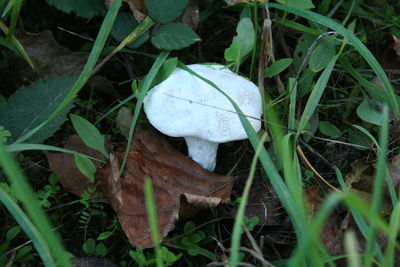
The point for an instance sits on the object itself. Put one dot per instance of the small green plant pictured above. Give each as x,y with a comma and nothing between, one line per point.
168,257
93,248
49,191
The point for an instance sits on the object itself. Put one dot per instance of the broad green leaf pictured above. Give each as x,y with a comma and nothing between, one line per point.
232,53
322,55
301,4
174,36
329,129
245,39
82,8
368,112
85,165
32,105
277,67
124,24
88,133
165,10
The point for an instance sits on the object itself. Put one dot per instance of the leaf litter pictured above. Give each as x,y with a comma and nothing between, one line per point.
176,179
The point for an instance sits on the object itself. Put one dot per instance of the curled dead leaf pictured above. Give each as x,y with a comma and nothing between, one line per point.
175,178
173,175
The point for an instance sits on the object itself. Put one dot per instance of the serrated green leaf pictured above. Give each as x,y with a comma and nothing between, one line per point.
30,106
277,67
301,4
165,10
82,8
329,129
85,166
88,133
174,36
124,24
322,55
368,112
244,39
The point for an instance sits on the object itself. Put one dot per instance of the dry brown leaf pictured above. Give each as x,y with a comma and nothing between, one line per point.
64,165
361,179
175,177
332,234
264,203
51,59
390,55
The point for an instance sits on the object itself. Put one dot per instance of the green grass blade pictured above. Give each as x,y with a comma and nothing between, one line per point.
374,91
378,184
152,218
358,218
16,8
237,227
25,147
302,251
350,244
19,49
32,207
315,96
298,218
292,88
143,88
87,70
30,230
394,228
354,41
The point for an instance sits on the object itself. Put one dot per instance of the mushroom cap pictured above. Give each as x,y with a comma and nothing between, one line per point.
185,106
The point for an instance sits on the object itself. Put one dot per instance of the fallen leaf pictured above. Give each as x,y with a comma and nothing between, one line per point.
64,165
51,60
175,178
361,179
265,204
390,55
332,234
173,175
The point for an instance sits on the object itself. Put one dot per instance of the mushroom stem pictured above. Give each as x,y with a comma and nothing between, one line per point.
203,152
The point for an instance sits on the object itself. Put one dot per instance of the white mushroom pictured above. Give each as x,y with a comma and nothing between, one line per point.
185,106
